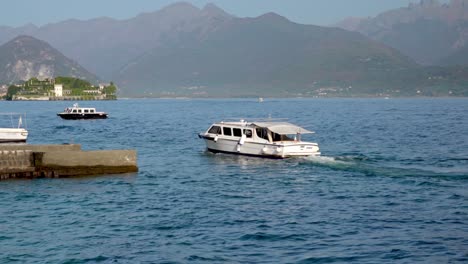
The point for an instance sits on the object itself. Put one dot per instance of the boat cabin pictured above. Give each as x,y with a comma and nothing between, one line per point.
75,110
262,132
262,139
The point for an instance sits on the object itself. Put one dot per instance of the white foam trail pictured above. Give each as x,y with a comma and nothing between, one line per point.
326,160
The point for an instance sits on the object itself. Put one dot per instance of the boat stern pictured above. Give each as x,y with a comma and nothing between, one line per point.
301,149
13,135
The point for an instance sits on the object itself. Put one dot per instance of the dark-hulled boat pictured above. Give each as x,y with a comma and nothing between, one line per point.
77,112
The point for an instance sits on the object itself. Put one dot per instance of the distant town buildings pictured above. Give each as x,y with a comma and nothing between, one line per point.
103,85
60,88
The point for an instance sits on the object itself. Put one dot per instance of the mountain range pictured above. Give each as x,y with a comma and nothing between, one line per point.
104,45
430,32
182,50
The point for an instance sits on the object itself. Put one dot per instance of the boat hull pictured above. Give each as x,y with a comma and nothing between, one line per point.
13,135
265,150
69,116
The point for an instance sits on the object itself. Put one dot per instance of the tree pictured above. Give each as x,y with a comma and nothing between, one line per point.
110,91
12,90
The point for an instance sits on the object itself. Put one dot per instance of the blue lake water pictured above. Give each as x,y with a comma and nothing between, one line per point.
391,186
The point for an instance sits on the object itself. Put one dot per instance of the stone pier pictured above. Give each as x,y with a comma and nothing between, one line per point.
55,161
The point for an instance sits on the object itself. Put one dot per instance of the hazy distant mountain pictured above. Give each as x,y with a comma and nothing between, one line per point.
182,50
184,46
103,45
269,53
459,57
427,32
352,23
25,57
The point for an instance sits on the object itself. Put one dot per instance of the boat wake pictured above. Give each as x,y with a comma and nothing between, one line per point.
370,167
329,161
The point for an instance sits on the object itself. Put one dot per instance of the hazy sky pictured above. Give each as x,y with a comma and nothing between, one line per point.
318,12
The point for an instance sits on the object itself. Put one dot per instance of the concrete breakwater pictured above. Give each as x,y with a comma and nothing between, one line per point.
55,161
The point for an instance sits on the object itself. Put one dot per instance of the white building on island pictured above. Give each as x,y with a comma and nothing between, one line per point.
58,89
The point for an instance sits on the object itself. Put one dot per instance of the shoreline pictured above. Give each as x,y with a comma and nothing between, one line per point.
248,97
298,97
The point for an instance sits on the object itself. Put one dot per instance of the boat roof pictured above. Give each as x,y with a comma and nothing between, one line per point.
276,125
283,128
79,107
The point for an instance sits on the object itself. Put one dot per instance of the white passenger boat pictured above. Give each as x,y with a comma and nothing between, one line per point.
13,133
263,139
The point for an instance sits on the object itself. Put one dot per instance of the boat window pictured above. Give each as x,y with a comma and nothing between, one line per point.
91,111
79,110
86,110
248,133
262,132
237,132
278,137
215,130
227,131
74,110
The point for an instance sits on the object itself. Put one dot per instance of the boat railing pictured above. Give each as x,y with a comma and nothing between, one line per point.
21,118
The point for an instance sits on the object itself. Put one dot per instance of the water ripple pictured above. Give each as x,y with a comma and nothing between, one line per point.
389,188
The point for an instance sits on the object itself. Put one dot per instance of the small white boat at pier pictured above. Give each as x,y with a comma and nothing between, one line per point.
263,139
12,134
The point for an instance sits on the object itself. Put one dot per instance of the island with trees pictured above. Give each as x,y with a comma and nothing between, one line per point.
60,88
